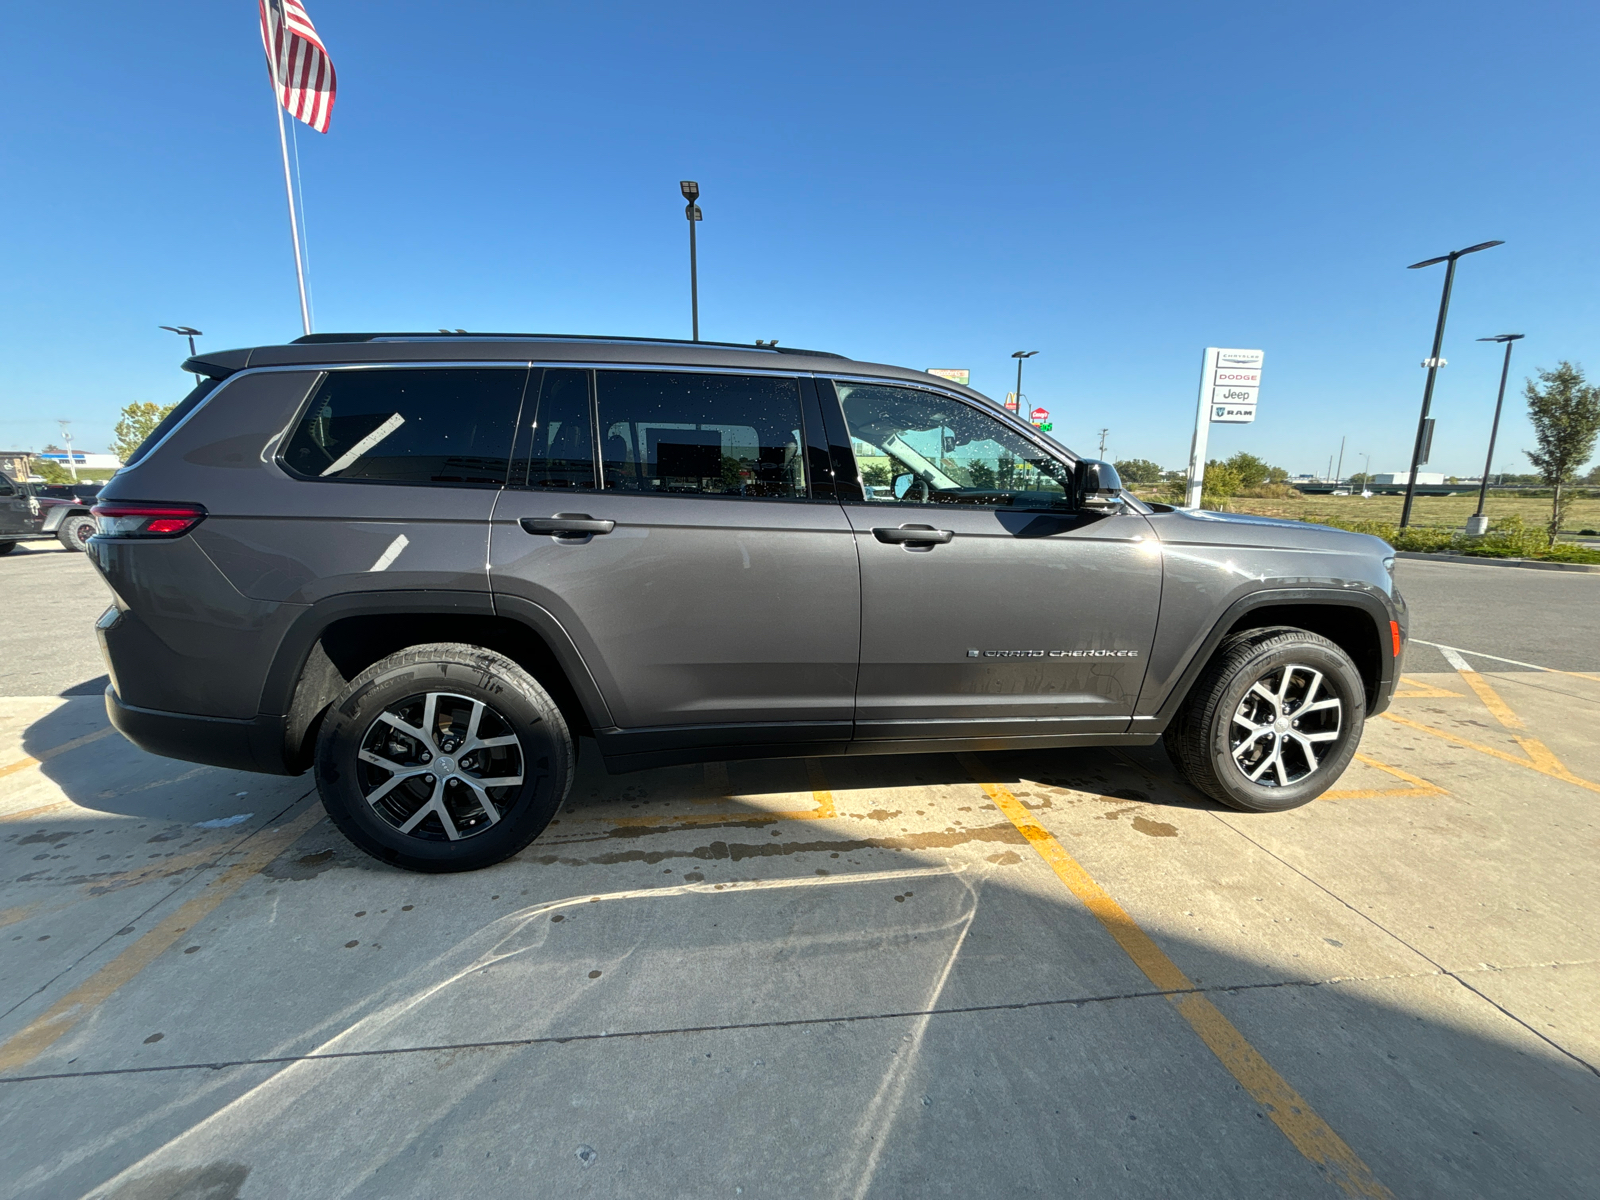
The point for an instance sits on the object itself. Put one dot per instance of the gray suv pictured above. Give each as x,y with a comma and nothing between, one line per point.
424,565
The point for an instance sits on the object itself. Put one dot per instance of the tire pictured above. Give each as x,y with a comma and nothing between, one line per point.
7,547
1242,744
408,711
75,531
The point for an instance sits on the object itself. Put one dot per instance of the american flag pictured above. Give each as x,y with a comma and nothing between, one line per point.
302,72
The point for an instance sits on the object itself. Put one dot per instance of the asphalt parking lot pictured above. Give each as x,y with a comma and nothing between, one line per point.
1051,973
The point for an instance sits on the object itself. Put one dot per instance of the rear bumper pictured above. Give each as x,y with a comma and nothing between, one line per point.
251,744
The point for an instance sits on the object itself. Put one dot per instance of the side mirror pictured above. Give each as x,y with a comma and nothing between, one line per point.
1099,486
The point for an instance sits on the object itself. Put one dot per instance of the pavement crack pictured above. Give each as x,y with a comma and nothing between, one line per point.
1458,976
189,876
730,1027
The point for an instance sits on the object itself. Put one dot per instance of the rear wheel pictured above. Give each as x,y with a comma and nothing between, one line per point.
443,758
74,532
7,547
1273,720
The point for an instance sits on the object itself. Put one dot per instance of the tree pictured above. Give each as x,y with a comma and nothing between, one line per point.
1222,479
138,422
1253,472
1593,477
1566,418
1138,470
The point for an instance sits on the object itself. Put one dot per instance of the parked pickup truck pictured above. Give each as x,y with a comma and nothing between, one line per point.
28,514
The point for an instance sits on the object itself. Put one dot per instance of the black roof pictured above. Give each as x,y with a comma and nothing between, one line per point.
341,348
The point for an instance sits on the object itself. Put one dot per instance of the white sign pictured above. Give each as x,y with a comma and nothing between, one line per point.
1230,385
1239,358
1236,377
1234,395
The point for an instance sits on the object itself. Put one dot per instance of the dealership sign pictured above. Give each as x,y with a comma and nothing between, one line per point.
1230,386
1234,377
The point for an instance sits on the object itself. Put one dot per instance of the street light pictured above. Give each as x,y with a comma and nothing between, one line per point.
691,213
1478,523
1433,362
1019,355
191,334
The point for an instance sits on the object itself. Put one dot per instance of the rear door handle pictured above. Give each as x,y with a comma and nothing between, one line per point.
913,533
567,525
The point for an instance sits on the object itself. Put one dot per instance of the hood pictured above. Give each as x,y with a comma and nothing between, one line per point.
1245,529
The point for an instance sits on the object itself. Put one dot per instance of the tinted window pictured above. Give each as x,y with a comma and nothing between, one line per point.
555,448
447,425
6,489
168,423
719,435
915,447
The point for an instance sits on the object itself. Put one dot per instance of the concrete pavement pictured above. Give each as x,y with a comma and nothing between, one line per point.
1011,974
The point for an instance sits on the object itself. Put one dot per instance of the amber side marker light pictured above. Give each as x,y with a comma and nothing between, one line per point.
1394,633
132,520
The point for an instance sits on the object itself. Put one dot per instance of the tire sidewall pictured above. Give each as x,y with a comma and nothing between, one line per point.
546,749
1339,673
67,535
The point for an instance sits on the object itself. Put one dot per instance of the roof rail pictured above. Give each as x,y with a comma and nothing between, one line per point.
461,335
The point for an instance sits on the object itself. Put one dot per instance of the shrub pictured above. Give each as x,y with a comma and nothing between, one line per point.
1509,537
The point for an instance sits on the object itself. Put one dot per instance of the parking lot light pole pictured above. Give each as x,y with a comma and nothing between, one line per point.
1433,362
1478,522
191,334
1019,356
691,211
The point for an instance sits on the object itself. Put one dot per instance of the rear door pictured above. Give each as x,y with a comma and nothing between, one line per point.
990,605
668,521
14,516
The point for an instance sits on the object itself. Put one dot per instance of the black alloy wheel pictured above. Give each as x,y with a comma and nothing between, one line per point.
1272,722
444,757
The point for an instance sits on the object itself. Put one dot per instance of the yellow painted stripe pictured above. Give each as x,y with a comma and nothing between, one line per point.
45,756
1419,689
23,1047
1539,756
1419,786
1288,1110
1498,708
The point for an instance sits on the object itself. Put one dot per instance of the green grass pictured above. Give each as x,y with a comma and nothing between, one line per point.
1448,512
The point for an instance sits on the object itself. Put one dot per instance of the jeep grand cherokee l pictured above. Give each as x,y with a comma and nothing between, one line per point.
423,565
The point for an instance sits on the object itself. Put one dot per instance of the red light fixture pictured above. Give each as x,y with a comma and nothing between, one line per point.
134,520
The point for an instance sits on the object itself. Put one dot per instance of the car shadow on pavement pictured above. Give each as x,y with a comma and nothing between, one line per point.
888,1024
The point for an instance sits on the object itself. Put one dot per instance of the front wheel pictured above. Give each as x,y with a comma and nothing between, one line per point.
444,757
1273,720
7,547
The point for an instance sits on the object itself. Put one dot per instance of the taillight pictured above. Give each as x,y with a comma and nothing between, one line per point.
131,520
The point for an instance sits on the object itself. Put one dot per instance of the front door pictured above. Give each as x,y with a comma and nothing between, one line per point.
991,606
713,600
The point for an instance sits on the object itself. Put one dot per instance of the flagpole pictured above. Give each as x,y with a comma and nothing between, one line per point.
288,183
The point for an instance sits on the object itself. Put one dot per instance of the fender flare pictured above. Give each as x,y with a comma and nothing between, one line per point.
294,651
1368,602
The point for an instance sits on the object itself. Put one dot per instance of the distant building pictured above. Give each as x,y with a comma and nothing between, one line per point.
88,462
1405,477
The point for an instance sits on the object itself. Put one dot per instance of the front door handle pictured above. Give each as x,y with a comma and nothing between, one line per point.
567,525
913,534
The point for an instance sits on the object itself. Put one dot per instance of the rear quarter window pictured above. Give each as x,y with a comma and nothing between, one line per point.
450,426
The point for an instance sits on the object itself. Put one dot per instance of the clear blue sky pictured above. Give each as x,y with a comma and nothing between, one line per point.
1115,186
